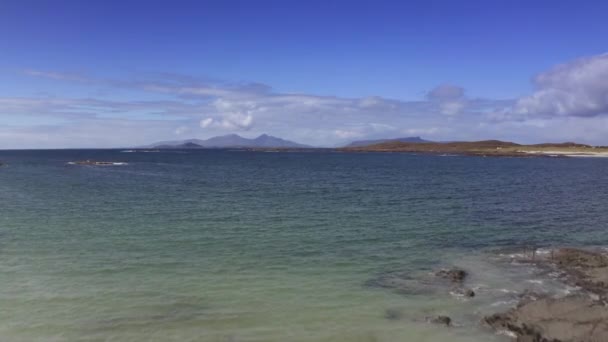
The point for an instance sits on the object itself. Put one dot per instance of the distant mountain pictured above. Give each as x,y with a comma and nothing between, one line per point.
230,140
361,143
187,145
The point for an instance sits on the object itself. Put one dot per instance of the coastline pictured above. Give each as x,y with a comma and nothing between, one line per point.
577,317
588,154
529,294
488,148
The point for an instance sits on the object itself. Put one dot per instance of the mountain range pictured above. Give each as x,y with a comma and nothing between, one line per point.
229,141
361,143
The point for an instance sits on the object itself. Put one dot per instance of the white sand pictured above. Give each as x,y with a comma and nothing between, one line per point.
570,154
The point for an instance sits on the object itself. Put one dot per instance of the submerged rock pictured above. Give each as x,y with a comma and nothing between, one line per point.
404,283
393,314
442,281
455,275
442,320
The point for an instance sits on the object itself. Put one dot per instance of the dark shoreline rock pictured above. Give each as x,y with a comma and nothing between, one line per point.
574,318
571,319
585,269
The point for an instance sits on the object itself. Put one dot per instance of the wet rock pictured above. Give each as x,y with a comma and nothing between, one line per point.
393,314
462,292
530,296
572,319
586,269
441,320
423,283
571,257
455,275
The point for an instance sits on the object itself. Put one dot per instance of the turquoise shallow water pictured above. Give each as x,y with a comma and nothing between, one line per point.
248,246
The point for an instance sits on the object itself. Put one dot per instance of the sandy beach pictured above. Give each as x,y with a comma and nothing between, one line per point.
602,154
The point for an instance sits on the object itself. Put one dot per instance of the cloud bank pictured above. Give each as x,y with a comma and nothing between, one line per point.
578,88
570,102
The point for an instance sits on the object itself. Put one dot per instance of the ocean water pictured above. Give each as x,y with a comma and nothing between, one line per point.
252,246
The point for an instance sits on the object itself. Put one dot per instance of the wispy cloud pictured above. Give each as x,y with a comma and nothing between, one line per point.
569,103
61,76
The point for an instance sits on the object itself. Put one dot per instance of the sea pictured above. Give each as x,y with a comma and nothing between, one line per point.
222,245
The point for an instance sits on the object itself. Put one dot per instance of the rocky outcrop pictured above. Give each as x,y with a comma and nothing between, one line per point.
586,269
569,319
575,318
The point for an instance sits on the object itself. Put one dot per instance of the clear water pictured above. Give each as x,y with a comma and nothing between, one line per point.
247,246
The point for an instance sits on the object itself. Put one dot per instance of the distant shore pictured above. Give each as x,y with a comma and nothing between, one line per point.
488,148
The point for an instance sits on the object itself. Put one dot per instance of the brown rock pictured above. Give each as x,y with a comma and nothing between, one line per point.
569,319
586,269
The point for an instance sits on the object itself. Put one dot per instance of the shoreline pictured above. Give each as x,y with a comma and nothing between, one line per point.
560,294
577,317
487,148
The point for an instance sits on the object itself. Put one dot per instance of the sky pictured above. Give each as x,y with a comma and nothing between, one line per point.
324,73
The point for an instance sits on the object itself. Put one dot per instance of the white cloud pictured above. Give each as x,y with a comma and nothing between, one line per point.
206,122
451,98
181,130
346,134
452,108
562,108
578,88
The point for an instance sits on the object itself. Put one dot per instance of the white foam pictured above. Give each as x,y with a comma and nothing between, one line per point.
504,303
507,333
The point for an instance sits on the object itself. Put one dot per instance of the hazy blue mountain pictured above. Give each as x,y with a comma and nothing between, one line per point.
230,140
186,145
360,143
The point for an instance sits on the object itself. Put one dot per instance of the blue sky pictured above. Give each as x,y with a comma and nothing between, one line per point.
118,73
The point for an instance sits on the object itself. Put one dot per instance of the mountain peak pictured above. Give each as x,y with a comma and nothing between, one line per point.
231,141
